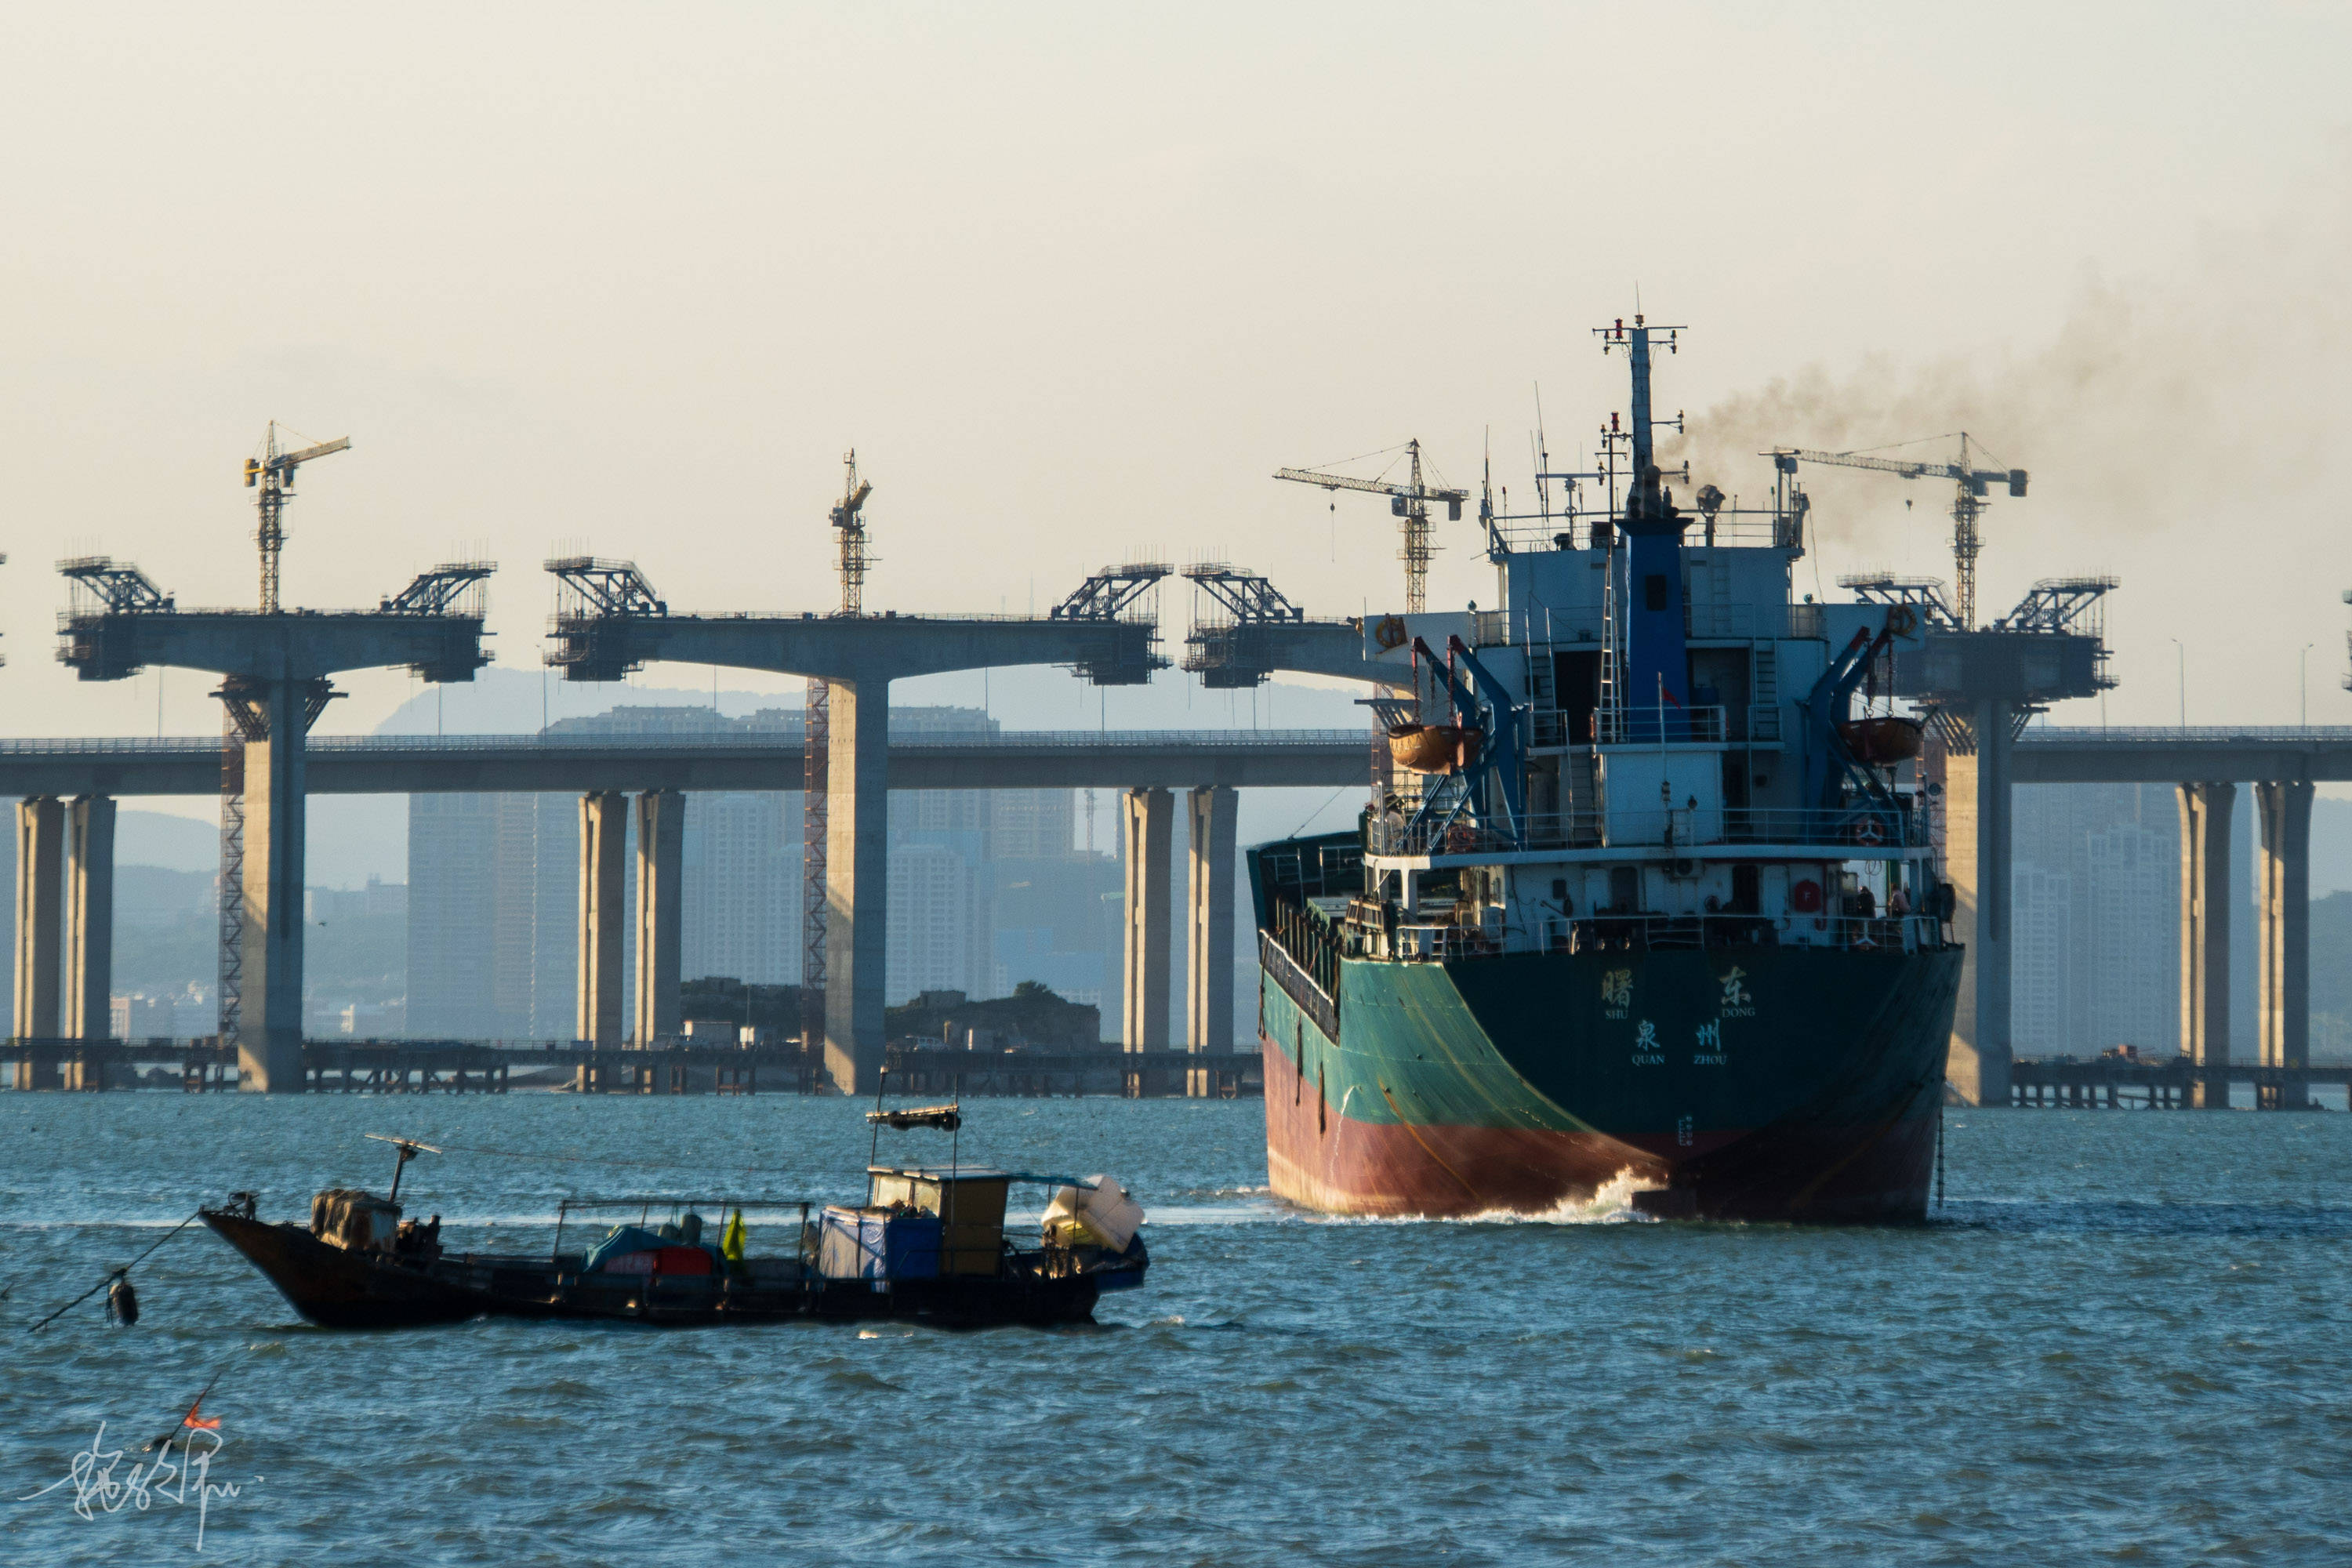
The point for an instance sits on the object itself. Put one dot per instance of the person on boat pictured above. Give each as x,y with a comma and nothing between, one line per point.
420,1239
730,1243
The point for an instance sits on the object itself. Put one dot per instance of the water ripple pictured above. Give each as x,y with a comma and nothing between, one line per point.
2116,1342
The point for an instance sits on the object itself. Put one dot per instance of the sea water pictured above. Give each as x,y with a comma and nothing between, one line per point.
2121,1338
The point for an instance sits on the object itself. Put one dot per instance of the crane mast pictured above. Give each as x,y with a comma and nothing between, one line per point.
848,520
271,474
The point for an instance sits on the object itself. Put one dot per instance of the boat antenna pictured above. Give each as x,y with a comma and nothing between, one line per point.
874,1149
1543,461
407,1148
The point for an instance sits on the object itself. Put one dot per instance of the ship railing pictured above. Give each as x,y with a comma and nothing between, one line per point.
1835,833
1436,943
1644,723
1298,985
1759,721
1642,933
1532,534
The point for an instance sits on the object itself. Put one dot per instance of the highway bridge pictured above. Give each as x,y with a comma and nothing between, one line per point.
563,762
2207,764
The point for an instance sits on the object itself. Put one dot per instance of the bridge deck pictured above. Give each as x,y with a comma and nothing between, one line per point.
427,764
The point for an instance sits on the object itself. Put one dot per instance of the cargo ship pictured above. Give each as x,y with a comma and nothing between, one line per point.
1639,897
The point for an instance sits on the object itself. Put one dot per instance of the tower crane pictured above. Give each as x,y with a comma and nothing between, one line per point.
849,517
817,774
272,473
1972,488
1410,501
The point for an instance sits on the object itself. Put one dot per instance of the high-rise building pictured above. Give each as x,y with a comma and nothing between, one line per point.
934,907
2097,899
490,876
741,908
2133,945
2042,968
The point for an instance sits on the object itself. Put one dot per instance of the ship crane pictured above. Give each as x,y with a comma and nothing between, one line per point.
1410,501
271,473
1972,490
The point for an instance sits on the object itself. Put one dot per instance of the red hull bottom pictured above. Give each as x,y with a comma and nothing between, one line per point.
1323,1160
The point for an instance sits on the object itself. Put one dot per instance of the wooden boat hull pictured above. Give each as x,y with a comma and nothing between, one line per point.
337,1289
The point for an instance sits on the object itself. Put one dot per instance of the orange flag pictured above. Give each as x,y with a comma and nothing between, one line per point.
201,1422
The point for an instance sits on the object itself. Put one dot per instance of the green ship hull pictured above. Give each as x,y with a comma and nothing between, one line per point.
1739,1082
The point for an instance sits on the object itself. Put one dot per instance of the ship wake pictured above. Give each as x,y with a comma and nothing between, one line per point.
1610,1204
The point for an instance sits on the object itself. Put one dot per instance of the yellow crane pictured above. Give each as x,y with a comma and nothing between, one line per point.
1410,501
272,472
849,517
1973,488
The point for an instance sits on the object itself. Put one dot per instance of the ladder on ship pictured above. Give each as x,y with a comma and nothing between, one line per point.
1764,698
1612,684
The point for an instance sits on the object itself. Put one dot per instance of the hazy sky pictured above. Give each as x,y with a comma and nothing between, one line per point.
1075,280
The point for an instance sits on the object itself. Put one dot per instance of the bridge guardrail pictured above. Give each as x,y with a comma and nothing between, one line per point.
783,741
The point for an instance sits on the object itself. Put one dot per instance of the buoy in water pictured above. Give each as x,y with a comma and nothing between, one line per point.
122,1301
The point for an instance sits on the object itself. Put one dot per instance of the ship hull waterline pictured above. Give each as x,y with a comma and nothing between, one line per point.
1745,1083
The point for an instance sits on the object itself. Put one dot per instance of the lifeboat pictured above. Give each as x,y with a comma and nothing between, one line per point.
1431,748
1879,742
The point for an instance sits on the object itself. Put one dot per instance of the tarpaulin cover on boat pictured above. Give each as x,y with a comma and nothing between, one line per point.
624,1239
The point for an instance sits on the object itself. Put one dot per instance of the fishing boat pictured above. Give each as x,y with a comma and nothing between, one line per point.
1641,899
930,1243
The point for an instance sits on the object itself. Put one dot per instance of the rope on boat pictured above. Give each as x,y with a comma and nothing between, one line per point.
115,1276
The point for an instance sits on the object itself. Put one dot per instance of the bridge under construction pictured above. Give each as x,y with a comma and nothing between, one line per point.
276,667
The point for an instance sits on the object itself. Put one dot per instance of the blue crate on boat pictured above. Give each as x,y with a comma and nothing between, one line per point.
876,1244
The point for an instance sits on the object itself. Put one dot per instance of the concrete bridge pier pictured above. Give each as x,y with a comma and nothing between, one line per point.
276,670
1977,841
40,845
661,862
2283,889
275,717
89,927
1150,866
603,884
857,877
1209,949
610,621
2205,892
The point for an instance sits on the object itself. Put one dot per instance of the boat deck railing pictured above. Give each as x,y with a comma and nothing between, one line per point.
1646,724
1835,833
1607,932
1440,941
